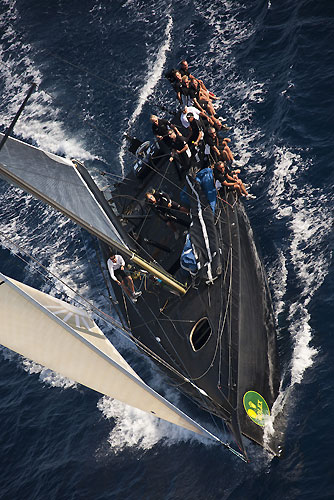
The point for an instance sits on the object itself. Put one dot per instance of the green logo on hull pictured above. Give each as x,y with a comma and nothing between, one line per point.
256,407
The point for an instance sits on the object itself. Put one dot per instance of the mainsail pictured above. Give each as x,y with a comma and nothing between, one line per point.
69,188
58,182
65,339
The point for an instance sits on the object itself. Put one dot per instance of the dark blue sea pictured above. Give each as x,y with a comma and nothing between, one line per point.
99,67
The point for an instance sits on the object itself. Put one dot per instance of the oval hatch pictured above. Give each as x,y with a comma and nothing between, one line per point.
200,334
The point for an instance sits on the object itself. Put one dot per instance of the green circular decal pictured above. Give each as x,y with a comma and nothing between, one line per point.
256,407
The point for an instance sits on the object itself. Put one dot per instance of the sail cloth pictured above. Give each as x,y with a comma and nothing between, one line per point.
206,180
64,338
58,182
202,244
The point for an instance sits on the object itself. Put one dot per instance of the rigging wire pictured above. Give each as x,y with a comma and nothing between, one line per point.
120,145
163,177
85,70
126,89
109,319
101,132
152,168
106,318
189,378
118,326
95,309
101,314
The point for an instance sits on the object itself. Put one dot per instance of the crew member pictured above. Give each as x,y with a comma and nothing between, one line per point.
202,96
175,78
189,109
116,265
180,149
163,205
195,129
204,118
217,148
160,128
184,70
229,180
190,95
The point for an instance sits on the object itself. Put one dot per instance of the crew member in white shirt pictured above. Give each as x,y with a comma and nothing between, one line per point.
116,266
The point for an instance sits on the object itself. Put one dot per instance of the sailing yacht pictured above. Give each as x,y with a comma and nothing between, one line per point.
210,326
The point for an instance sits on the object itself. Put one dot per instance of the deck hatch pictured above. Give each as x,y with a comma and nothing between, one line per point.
200,334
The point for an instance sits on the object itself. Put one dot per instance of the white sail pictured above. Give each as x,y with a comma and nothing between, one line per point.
57,181
64,338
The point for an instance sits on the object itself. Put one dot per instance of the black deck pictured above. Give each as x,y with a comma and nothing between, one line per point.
240,354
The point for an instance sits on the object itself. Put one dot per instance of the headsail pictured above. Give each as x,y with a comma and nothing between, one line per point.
64,338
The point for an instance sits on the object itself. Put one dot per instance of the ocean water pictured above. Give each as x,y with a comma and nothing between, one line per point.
99,68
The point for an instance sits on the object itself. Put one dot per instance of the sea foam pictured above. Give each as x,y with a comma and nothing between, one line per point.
155,69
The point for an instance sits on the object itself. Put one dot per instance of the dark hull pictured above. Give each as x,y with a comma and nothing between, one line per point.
217,342
258,364
240,354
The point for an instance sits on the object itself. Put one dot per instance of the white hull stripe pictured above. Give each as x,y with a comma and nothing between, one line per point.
204,231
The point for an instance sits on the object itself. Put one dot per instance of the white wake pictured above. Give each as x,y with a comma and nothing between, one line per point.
155,69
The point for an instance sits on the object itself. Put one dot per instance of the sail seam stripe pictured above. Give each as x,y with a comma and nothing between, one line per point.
107,358
105,317
102,315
